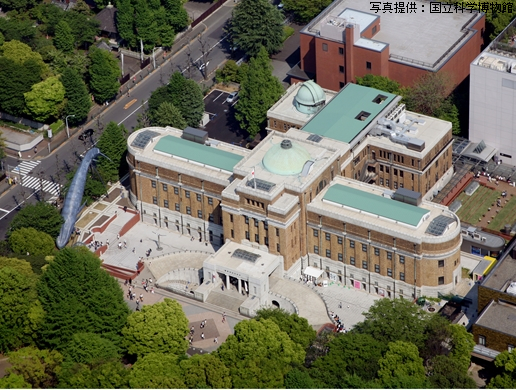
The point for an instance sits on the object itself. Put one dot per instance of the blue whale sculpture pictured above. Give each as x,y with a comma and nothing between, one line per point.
72,204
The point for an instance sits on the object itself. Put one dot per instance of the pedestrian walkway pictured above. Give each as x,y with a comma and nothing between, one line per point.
37,183
25,167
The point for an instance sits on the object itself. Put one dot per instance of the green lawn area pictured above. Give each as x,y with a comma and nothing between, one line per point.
476,205
506,216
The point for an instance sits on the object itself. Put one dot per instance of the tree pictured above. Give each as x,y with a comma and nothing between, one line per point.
259,354
380,82
159,96
125,21
178,17
429,92
402,365
78,100
40,216
17,4
2,146
395,320
259,91
228,73
256,23
104,73
13,381
168,115
205,372
94,188
505,363
158,371
106,375
191,103
113,144
20,53
462,344
45,99
161,327
29,240
297,328
64,39
84,27
18,292
79,296
38,367
145,24
447,373
305,10
90,348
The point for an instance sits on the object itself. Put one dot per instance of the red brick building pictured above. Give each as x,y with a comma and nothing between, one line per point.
348,39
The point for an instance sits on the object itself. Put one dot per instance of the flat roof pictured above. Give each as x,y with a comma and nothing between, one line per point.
500,317
432,34
502,274
338,119
363,19
193,151
375,204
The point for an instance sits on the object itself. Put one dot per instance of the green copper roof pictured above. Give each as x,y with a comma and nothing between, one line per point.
196,152
286,158
337,120
375,204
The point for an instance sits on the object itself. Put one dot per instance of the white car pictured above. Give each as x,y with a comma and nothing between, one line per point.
233,96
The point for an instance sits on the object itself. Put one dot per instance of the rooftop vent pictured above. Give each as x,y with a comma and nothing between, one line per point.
286,144
407,196
195,135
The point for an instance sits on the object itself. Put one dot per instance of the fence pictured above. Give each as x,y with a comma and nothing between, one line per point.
23,121
208,12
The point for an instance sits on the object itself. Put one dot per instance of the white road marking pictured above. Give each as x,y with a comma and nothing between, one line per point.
127,117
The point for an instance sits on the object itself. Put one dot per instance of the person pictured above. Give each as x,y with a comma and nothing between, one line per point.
202,335
215,340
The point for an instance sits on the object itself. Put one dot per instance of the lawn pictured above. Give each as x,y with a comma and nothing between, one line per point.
476,205
506,216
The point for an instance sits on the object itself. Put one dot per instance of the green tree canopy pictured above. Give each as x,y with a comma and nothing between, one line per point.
256,23
40,216
505,363
402,365
161,327
297,328
13,381
205,372
113,144
168,115
429,92
64,39
259,91
30,240
38,367
17,4
395,320
299,379
104,73
78,100
305,10
125,21
20,53
259,354
45,99
380,82
18,292
447,373
191,103
94,188
79,296
89,348
157,371
84,27
106,375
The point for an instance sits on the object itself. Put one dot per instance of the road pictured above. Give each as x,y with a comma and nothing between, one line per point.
53,169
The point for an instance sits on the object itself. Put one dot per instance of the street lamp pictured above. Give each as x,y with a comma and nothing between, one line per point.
153,56
67,129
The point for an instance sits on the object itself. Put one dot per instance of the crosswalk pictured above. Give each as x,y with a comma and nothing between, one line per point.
35,183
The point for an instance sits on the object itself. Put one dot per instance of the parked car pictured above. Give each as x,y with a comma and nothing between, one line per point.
233,96
86,133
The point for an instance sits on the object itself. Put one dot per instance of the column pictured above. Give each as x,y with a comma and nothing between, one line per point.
239,286
227,281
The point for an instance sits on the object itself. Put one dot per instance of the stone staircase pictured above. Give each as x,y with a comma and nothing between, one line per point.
225,300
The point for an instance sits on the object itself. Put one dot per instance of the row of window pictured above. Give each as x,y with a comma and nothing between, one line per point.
176,192
256,223
482,341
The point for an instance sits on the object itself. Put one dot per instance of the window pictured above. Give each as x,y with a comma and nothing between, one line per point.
165,187
341,50
316,249
325,47
189,211
389,272
379,99
377,268
441,263
230,217
211,218
277,248
381,181
389,255
165,204
154,200
387,182
187,194
339,240
316,233
198,197
340,256
341,69
265,225
440,281
401,173
364,247
395,185
368,65
247,220
374,30
277,232
267,241
153,183
364,264
177,207
256,238
402,259
247,235
232,233
328,236
351,243
210,200
381,168
376,251
255,223
352,260
176,190
510,347
341,84
402,276
363,115
482,340
199,214
328,253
